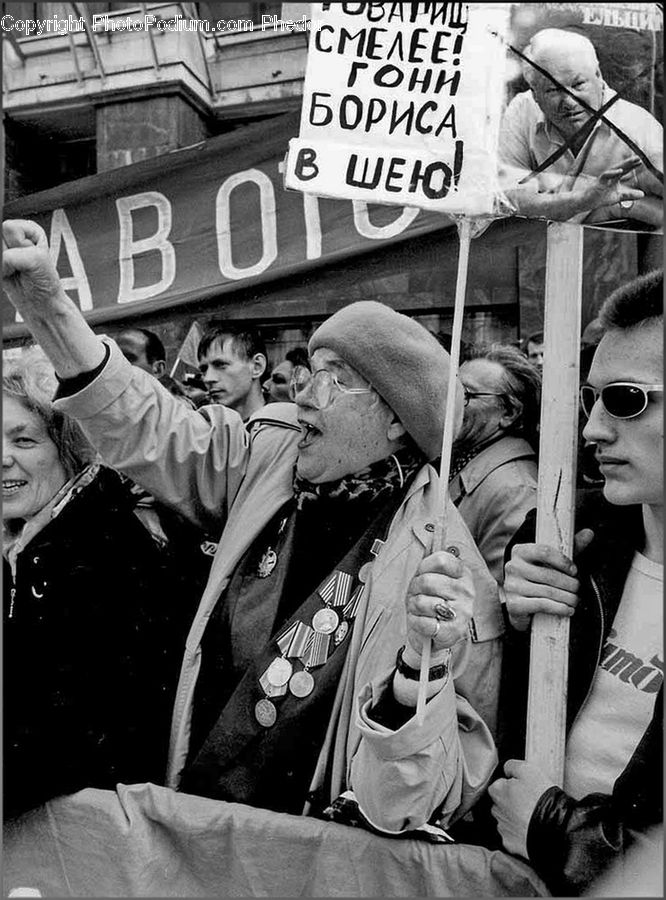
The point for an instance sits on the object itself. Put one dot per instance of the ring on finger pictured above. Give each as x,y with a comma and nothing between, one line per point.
444,613
436,631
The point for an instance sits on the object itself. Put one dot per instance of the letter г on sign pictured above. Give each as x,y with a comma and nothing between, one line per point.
402,105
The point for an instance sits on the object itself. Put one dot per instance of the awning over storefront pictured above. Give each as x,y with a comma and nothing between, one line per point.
199,223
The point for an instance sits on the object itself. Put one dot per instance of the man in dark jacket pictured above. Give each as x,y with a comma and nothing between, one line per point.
613,765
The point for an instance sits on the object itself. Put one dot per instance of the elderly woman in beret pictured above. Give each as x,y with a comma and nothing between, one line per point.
90,643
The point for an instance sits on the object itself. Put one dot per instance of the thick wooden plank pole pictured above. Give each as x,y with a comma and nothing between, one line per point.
546,708
465,238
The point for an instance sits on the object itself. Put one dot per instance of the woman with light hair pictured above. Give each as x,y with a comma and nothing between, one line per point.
90,655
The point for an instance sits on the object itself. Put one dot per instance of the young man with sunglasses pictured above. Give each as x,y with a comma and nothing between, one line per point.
300,675
612,792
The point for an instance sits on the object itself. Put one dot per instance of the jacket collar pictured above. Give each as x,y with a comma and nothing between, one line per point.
36,524
618,532
491,458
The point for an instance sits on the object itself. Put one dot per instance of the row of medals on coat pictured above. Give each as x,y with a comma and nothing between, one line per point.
308,646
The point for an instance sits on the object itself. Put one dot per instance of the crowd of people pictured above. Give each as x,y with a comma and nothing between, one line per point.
281,669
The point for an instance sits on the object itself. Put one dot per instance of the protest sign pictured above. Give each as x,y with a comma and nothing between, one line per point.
401,105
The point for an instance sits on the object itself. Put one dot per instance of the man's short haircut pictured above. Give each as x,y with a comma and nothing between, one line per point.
638,302
245,340
154,348
549,39
535,338
521,384
298,357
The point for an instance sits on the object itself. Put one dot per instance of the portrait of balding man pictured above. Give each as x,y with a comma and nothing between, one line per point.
599,177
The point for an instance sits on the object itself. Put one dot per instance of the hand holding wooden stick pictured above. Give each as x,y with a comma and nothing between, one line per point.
448,435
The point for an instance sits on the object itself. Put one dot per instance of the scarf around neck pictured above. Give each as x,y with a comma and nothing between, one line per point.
376,481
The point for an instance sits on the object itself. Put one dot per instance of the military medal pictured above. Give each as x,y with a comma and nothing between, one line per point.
271,690
341,633
274,692
265,713
311,644
301,683
325,621
267,563
279,672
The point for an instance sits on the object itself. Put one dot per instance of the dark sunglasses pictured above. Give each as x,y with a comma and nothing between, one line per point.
621,400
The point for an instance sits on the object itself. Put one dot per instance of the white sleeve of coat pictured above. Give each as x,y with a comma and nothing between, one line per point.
192,460
400,778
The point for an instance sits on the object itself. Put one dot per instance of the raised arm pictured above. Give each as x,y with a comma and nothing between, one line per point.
33,286
190,460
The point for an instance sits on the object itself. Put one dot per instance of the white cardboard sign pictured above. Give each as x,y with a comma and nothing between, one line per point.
401,105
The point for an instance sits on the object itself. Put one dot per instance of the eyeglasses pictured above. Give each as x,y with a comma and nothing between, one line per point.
321,383
470,395
621,400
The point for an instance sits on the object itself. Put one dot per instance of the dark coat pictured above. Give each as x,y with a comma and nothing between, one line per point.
571,842
91,652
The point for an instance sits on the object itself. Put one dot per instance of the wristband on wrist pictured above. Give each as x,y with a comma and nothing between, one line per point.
434,673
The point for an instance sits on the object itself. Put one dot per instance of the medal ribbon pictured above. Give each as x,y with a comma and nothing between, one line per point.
336,590
317,653
294,642
300,641
351,608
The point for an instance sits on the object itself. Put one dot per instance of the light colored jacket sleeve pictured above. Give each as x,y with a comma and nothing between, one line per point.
191,460
401,777
502,502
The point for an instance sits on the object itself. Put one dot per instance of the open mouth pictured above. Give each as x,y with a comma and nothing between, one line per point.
310,434
11,487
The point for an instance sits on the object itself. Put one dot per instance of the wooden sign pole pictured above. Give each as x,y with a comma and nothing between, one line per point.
465,237
546,707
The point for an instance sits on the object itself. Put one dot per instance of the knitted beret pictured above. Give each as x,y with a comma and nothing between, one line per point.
404,363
